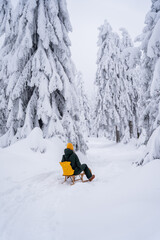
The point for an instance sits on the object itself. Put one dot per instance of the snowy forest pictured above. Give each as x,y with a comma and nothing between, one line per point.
40,86
44,105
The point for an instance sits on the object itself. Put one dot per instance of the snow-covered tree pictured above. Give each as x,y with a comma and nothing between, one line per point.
150,82
5,30
130,57
40,74
115,80
105,109
85,118
5,17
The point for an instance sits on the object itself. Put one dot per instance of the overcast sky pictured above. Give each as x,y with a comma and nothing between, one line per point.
87,15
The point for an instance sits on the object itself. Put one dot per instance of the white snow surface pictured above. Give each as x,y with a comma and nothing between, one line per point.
121,203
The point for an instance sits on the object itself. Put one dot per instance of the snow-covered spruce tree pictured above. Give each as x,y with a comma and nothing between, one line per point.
150,82
116,98
41,88
108,81
150,101
130,57
5,17
85,122
104,110
5,29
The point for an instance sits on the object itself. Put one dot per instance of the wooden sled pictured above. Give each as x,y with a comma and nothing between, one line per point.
68,173
73,178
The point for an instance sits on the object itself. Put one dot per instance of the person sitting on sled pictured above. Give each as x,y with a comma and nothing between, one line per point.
70,155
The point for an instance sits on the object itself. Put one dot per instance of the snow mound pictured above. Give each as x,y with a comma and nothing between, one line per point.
36,141
24,158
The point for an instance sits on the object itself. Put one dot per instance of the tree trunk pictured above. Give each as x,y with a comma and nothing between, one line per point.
117,135
130,128
40,123
138,133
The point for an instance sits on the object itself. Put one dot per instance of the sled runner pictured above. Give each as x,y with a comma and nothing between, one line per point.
68,173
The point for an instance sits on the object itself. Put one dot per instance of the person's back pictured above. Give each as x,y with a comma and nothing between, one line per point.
70,155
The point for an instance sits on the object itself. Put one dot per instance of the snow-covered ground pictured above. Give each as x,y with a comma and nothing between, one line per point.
122,203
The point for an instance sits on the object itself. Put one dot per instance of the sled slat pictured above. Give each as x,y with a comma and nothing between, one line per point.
73,178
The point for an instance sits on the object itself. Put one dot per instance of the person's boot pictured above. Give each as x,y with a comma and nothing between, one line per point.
91,178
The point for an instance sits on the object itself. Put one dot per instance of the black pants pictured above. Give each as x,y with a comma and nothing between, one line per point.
84,168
